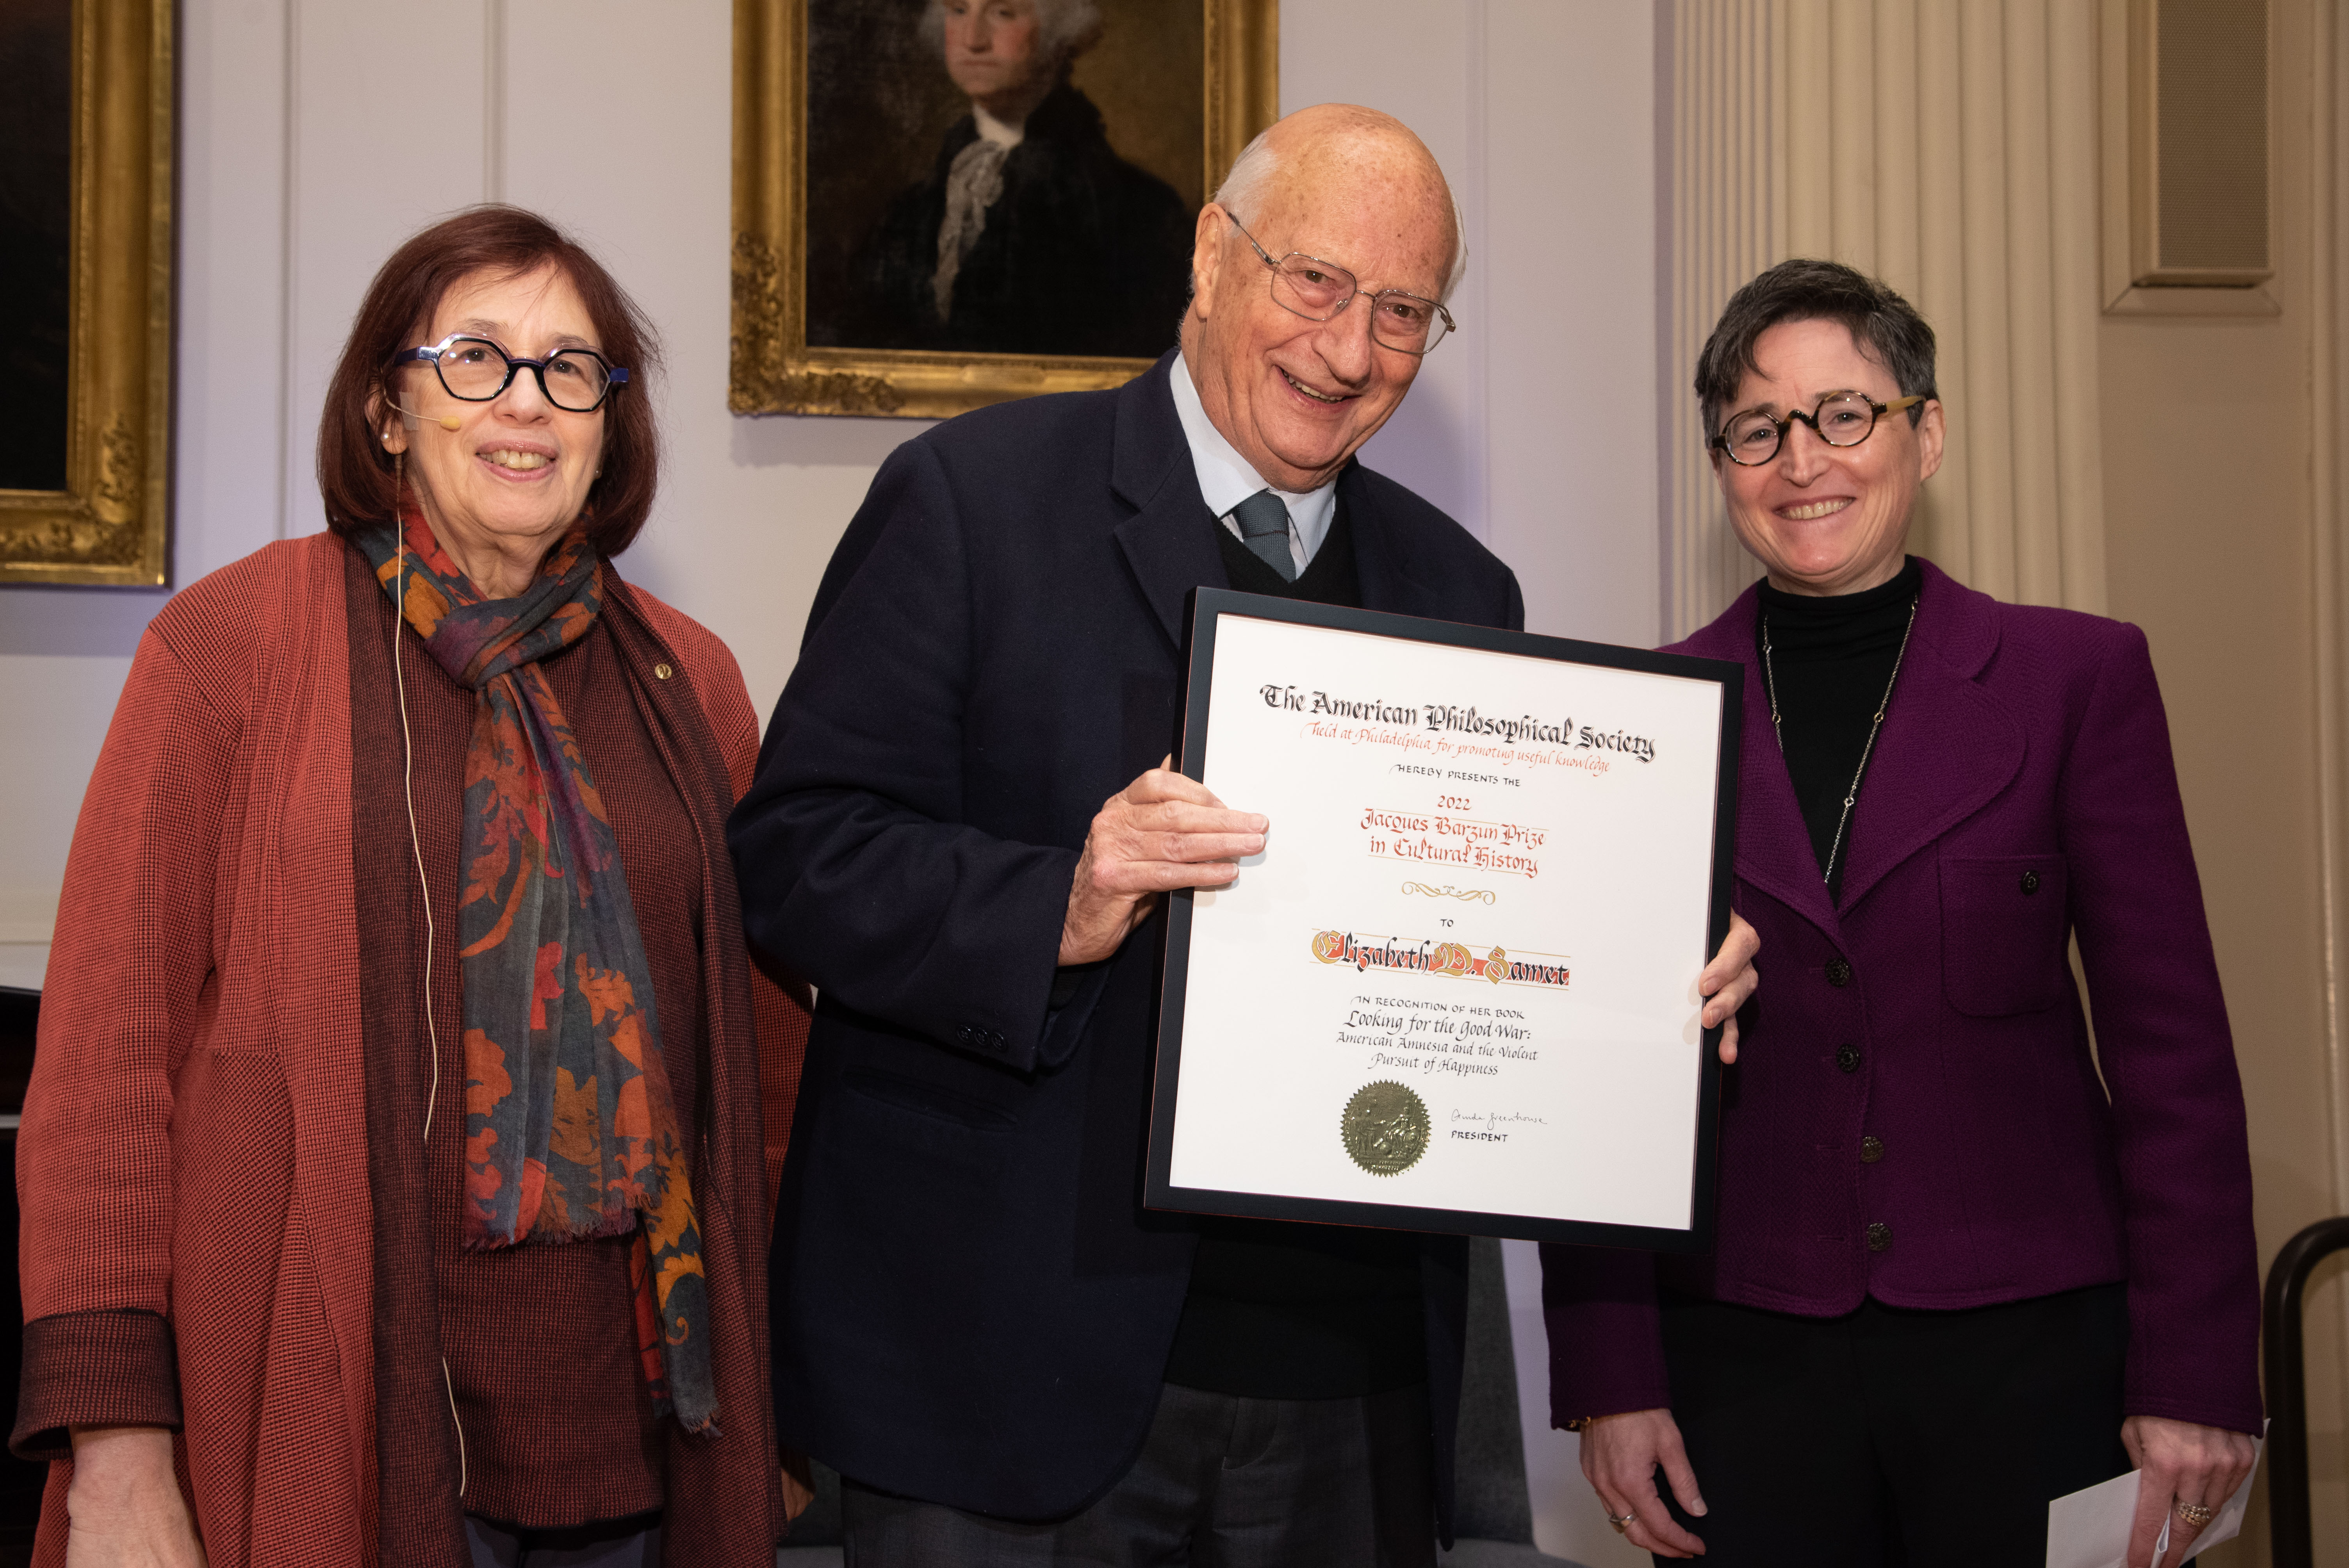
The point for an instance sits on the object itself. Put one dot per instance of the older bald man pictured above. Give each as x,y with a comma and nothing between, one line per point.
959,835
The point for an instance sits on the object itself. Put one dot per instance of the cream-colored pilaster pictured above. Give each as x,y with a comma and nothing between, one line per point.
1951,150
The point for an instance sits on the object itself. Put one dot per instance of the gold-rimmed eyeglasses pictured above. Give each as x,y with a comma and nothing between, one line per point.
1842,419
1319,291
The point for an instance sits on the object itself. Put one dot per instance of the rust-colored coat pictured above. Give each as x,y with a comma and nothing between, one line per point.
192,1164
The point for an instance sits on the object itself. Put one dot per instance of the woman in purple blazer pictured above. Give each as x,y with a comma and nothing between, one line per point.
1958,1273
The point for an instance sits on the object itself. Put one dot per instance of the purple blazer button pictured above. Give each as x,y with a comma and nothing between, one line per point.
2030,882
1871,1150
1880,1237
1848,1058
1838,971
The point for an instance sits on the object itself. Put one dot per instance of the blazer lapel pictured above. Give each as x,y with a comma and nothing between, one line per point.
1948,745
1166,542
1380,559
1774,847
1385,578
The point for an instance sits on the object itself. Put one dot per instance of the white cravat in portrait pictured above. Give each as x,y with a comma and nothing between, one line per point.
974,182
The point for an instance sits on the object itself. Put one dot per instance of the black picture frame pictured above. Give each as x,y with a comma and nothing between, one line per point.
1159,1192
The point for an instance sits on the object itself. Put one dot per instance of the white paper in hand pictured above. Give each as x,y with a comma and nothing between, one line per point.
2090,1528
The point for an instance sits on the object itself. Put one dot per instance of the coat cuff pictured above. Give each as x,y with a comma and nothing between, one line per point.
107,1368
1606,1339
2231,1415
1074,994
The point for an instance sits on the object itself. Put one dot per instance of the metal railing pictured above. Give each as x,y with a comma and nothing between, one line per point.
2289,1533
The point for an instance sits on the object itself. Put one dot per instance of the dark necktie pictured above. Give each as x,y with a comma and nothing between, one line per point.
1263,526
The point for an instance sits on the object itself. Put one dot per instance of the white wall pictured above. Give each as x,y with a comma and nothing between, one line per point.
1536,426
317,134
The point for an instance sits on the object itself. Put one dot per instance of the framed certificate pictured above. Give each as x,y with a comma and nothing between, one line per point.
1456,991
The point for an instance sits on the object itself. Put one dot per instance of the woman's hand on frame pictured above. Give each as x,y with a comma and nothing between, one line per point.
2183,1463
124,1508
1619,1456
1728,982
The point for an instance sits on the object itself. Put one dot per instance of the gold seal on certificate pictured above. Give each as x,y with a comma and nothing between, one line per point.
1384,1128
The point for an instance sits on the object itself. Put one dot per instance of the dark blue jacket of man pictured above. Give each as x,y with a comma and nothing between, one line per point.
970,1305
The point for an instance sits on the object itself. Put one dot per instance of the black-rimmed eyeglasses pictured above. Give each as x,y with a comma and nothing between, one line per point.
476,370
1841,419
1319,290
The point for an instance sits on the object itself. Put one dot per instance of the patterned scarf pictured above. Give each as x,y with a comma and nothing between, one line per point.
569,1133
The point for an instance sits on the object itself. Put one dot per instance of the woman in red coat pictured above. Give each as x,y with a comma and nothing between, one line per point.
1962,1265
396,1163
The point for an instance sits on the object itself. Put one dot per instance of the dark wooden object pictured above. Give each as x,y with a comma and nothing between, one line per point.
20,1483
2291,1542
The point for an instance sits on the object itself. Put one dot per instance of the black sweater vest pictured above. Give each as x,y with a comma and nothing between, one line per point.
1299,1312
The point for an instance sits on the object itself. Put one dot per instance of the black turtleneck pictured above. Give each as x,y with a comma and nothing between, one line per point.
1829,662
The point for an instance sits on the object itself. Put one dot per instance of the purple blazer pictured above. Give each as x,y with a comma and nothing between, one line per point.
2021,793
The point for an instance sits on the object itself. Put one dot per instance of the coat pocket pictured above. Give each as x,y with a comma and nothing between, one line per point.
932,1123
2003,923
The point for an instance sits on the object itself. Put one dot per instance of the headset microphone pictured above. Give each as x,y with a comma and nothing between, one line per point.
446,421
423,883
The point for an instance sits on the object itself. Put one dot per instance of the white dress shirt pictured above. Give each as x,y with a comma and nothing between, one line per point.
1225,478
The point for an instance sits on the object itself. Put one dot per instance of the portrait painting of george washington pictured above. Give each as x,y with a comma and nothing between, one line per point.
942,202
1019,225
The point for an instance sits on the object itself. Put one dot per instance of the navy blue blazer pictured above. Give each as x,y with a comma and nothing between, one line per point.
970,1304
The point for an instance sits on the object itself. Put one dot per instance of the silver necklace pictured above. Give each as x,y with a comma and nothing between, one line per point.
1770,679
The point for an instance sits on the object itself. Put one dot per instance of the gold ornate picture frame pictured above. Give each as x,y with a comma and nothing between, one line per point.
108,524
776,369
